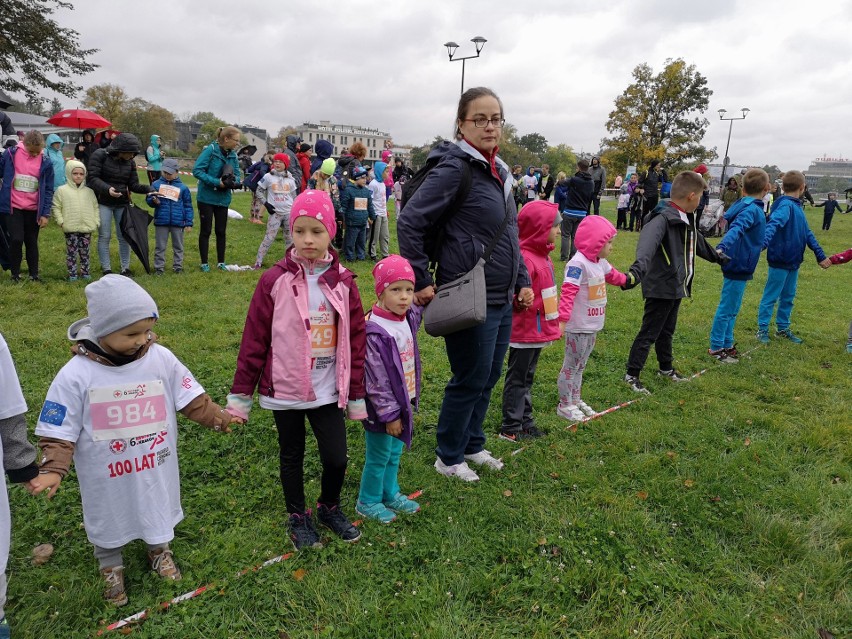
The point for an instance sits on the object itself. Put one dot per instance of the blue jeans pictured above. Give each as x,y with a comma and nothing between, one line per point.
355,242
108,214
780,287
476,360
722,332
379,481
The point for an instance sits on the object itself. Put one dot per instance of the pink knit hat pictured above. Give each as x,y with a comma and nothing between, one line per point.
392,269
315,204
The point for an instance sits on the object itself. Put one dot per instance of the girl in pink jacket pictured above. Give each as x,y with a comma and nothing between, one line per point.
582,309
303,349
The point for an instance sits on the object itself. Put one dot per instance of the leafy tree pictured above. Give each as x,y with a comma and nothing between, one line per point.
534,143
512,152
280,140
659,117
560,158
419,154
35,52
207,132
831,184
144,119
772,170
107,100
55,106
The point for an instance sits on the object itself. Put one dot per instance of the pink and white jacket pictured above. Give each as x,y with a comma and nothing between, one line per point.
583,303
275,352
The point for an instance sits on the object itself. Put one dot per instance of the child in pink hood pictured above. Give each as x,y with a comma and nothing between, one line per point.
535,327
582,309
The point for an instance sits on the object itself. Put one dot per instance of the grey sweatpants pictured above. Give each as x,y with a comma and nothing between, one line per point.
161,237
111,557
578,348
379,237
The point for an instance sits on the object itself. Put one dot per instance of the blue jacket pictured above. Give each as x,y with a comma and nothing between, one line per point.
468,232
45,182
208,170
352,216
787,235
57,158
255,173
744,240
169,212
578,195
323,150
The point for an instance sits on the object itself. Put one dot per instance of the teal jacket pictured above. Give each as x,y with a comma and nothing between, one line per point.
208,171
154,154
57,159
351,200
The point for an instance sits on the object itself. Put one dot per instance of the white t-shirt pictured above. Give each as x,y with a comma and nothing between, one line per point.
279,190
380,200
401,333
530,182
323,355
589,310
122,419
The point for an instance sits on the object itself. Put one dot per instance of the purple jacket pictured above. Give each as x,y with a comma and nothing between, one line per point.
387,394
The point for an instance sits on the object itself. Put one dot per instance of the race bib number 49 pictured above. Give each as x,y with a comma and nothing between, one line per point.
127,411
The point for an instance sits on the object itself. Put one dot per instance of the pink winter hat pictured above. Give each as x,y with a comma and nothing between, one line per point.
315,204
392,269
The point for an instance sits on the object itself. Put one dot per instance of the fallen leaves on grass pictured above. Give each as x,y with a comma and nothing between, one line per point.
643,495
824,634
542,541
671,454
507,493
299,574
554,475
747,441
689,483
42,553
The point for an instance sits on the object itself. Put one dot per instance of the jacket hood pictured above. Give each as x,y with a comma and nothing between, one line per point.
53,139
90,133
323,149
534,223
739,205
155,140
70,165
583,175
124,143
292,141
378,169
592,233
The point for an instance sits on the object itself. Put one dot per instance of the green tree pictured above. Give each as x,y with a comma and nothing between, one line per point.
830,184
560,158
208,131
659,117
534,143
35,52
512,152
107,100
280,140
419,154
145,119
772,170
55,106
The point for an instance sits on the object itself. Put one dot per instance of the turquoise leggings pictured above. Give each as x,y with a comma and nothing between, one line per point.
379,481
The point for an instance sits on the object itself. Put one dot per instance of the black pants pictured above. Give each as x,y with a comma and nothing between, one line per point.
569,230
330,430
650,203
153,176
208,213
658,327
826,220
23,229
621,221
596,199
517,389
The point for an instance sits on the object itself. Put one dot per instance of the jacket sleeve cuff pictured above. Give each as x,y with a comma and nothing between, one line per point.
203,410
22,475
56,455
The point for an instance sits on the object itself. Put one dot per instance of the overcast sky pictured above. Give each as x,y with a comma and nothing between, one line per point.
557,65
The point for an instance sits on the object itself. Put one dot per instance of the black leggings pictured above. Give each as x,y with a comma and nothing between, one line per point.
330,430
23,229
207,213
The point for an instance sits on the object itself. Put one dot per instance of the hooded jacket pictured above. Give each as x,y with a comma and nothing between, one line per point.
322,151
154,154
350,202
598,174
468,232
652,179
787,235
255,173
583,303
56,158
295,168
665,253
578,194
75,208
538,323
208,170
743,242
84,148
107,170
45,181
170,212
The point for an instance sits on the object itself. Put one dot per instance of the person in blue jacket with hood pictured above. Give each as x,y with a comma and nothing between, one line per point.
787,235
53,151
322,151
743,243
155,156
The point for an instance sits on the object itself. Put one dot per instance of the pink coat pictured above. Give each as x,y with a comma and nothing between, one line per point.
275,352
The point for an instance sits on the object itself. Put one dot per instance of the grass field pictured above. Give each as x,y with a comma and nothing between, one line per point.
718,508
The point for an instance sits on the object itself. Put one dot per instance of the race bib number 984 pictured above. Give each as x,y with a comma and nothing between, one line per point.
127,411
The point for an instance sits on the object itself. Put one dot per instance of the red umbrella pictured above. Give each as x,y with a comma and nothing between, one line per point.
78,119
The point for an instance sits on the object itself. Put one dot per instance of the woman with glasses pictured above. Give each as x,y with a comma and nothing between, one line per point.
476,354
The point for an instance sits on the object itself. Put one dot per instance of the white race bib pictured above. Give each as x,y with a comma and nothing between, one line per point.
360,204
169,192
25,183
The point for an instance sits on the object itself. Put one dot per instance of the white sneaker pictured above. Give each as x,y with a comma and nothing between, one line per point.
570,412
588,410
462,470
485,458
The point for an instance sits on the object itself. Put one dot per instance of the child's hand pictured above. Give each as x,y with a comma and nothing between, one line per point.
45,481
631,282
562,327
525,298
394,428
155,200
825,263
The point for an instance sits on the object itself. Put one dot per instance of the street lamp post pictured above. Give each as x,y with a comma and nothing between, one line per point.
722,113
478,41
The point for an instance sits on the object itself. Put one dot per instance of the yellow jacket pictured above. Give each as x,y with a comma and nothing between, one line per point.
75,208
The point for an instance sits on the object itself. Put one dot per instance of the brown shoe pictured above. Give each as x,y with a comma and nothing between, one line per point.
114,592
163,563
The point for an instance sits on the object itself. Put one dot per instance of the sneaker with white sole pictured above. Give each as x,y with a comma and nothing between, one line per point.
722,355
485,458
570,412
462,470
588,410
673,375
635,385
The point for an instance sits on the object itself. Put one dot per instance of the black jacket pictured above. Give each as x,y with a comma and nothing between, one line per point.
83,150
106,170
546,186
580,190
651,181
469,231
665,254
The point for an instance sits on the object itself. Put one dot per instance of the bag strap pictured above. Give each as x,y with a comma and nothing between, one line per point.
487,255
458,199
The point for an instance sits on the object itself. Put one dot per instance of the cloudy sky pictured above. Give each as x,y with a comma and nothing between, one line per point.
557,65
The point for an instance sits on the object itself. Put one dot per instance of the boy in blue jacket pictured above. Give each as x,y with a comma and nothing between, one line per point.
787,235
173,215
743,243
356,204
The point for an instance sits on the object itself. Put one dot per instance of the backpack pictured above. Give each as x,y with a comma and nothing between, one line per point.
666,190
435,233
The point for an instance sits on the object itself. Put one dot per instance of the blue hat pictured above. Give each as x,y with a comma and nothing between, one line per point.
358,172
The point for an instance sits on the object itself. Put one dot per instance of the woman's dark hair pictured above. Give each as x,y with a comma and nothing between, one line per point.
464,102
654,164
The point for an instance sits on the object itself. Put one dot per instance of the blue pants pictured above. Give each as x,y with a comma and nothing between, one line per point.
107,215
780,287
722,332
379,481
355,242
476,357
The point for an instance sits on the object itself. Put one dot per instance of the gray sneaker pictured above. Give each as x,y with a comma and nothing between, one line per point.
635,385
673,375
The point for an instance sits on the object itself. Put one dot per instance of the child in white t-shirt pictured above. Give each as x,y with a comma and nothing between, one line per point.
112,407
379,231
276,190
582,308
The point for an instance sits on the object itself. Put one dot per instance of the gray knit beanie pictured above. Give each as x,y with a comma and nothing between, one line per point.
113,302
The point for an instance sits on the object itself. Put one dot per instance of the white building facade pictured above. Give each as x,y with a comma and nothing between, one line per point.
342,136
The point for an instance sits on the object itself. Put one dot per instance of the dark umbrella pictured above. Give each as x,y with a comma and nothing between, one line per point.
251,149
134,227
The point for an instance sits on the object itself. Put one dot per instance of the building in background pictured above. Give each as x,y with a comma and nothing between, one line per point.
28,122
342,136
828,167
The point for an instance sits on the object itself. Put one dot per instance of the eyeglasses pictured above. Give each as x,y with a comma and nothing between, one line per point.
482,122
